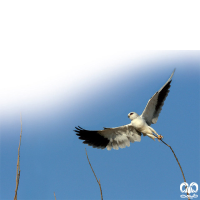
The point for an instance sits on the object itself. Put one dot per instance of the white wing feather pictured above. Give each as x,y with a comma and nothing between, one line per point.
120,136
154,105
109,137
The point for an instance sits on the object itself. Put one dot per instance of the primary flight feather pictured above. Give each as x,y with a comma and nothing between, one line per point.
122,136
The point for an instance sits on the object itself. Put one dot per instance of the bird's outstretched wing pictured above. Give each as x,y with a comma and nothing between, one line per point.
154,105
109,137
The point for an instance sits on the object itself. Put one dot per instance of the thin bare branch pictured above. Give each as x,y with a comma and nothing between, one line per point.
98,181
179,166
18,163
55,195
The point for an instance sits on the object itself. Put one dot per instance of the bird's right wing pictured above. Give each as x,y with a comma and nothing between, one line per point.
109,137
154,105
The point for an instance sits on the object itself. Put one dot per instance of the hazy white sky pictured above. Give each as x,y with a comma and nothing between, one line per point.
33,76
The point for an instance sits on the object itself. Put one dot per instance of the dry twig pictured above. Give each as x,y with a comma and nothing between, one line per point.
179,166
98,181
18,163
55,195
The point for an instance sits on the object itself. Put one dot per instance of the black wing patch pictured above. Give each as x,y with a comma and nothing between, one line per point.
92,138
161,98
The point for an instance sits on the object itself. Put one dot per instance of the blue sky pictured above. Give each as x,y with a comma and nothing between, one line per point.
58,90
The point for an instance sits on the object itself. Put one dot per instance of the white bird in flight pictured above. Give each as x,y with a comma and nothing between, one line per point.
122,136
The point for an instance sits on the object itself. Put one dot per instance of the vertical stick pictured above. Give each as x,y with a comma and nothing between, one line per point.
18,162
179,166
55,195
98,181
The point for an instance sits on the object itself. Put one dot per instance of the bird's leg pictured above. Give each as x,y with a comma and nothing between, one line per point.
158,136
153,130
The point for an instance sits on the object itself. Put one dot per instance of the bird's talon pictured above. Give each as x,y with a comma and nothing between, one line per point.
160,137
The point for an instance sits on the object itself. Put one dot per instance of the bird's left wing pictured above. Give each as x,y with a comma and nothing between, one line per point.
154,105
109,137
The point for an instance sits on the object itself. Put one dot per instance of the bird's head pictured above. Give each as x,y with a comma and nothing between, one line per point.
132,115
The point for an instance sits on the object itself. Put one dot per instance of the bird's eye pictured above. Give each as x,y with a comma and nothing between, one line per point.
131,113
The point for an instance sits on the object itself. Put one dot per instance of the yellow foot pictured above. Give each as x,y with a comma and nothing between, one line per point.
160,137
